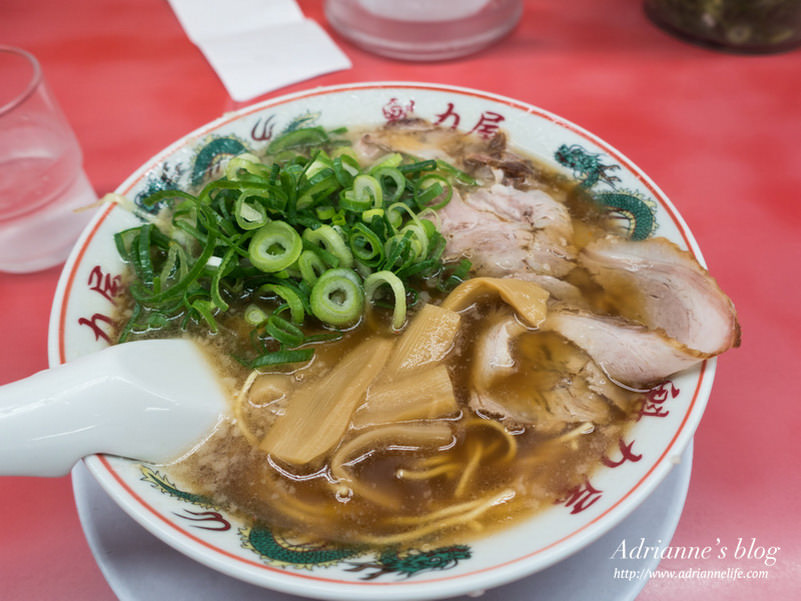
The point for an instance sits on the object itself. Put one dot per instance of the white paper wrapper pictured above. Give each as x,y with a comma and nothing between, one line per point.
257,46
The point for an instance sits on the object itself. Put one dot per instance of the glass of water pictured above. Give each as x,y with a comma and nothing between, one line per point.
44,192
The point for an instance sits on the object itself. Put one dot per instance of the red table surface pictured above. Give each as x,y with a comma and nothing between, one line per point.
719,133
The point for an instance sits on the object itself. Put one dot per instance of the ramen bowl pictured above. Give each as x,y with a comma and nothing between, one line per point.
92,280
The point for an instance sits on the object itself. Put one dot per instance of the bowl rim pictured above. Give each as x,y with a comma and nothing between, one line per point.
308,584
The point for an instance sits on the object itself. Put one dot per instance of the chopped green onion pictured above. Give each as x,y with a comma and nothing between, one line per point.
142,295
143,260
205,309
345,167
337,298
381,278
283,331
427,165
124,242
396,213
365,193
392,159
249,215
366,245
325,212
400,251
271,359
459,175
311,266
419,237
320,162
349,202
305,233
255,315
457,276
433,191
274,247
307,136
392,183
369,214
162,195
222,270
321,183
327,237
292,298
246,162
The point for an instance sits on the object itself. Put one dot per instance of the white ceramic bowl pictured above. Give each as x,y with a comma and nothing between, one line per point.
91,280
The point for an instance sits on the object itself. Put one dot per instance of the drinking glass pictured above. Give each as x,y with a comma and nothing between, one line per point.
423,30
44,192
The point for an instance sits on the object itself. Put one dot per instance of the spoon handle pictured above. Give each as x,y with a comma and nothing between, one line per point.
140,400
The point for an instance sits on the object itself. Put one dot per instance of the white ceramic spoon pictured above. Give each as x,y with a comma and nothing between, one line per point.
149,400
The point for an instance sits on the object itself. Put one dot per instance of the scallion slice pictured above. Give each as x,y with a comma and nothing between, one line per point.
366,245
311,266
274,247
392,182
433,191
281,357
337,298
292,298
255,315
249,215
386,278
285,332
328,238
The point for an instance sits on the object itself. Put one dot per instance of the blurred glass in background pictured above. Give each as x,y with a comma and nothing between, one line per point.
423,30
44,192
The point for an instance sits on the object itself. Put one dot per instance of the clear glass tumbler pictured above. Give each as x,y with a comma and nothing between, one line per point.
43,187
423,30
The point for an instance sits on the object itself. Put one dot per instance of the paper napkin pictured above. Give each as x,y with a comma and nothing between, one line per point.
257,46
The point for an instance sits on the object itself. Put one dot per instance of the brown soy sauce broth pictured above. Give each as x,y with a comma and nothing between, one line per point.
547,462
300,501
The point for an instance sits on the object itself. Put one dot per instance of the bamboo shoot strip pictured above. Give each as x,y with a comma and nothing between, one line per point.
424,395
526,298
427,340
317,416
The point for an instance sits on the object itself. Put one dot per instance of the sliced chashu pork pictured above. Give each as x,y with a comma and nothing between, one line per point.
671,291
493,351
628,353
675,314
565,388
505,231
